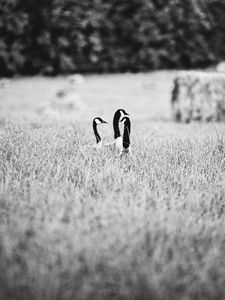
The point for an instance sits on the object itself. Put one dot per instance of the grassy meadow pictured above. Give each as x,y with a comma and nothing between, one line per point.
82,224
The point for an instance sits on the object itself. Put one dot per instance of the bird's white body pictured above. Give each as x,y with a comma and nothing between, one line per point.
97,146
119,143
126,151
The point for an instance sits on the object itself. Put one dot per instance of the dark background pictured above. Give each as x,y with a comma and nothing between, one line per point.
53,37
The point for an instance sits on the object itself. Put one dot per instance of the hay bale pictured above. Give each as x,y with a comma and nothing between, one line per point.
198,96
67,102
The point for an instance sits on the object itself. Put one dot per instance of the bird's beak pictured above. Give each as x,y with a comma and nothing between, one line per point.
105,122
126,114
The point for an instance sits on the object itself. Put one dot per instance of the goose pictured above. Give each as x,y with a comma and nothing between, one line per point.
96,122
117,136
126,135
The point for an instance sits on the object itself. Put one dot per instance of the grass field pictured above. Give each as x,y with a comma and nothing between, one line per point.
81,224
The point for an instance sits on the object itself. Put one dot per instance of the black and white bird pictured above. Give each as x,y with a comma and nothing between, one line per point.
96,122
126,136
119,114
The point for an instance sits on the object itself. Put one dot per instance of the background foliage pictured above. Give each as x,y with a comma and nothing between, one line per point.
55,36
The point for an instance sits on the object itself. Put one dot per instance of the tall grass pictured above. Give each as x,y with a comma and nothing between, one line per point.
82,224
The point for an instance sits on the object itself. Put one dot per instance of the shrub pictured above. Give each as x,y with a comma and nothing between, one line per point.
54,36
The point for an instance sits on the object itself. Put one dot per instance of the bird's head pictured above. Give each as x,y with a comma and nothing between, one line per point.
123,113
125,120
99,121
119,114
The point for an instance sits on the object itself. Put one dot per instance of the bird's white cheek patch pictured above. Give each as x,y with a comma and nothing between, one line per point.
121,115
119,142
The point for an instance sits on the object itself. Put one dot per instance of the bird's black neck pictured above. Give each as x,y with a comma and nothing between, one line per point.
126,134
116,128
97,136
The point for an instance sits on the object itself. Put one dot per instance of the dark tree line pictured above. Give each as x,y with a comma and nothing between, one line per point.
63,36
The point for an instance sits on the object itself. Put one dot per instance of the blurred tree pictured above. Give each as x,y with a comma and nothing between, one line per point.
216,10
64,36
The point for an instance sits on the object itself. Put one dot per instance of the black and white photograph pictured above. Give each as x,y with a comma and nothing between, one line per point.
112,150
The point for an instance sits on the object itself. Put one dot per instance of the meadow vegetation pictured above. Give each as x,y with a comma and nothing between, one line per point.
81,224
